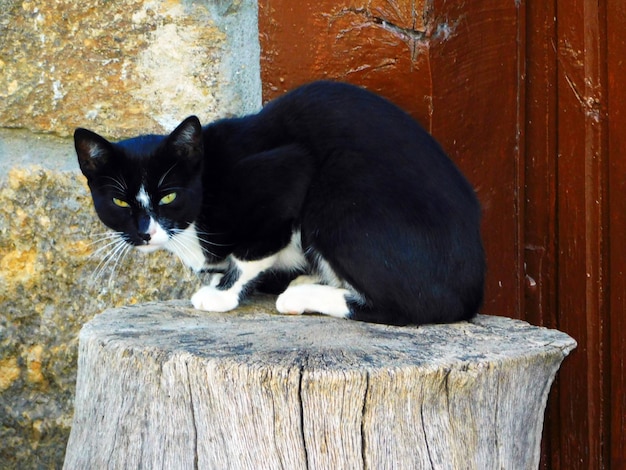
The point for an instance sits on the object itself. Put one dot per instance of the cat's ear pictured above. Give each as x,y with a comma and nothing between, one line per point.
93,151
186,140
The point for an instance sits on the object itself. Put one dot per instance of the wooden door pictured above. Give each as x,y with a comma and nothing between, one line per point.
528,98
574,219
615,100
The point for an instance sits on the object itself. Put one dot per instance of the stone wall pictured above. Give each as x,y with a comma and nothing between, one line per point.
119,68
125,66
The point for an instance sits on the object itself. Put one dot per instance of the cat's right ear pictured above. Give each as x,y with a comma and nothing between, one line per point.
93,151
187,142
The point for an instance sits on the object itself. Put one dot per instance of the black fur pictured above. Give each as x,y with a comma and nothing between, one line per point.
370,190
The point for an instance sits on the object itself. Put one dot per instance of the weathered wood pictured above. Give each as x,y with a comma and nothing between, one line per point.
164,386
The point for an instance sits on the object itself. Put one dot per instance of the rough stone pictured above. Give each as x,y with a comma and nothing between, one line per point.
52,280
126,67
120,68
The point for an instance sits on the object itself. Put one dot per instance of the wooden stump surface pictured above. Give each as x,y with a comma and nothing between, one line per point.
164,386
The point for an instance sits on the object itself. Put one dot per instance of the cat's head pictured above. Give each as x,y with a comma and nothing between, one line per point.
148,188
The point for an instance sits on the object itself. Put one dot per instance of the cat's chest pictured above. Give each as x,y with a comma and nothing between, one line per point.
186,245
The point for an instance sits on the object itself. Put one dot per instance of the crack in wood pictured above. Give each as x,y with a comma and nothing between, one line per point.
193,418
304,446
363,411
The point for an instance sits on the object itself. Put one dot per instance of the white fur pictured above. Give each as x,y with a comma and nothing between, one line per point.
210,299
302,298
95,151
158,238
143,198
250,270
186,246
215,300
291,257
327,274
305,279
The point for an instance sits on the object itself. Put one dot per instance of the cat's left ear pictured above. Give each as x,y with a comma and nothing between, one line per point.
186,140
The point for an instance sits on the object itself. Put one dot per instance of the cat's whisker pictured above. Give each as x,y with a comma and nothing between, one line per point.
180,246
121,254
103,234
115,250
104,262
118,183
110,244
184,247
202,232
108,238
209,242
166,173
202,237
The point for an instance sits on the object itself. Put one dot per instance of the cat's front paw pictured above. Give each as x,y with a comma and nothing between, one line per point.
313,298
210,299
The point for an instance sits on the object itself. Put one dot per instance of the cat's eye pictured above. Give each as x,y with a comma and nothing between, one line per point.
167,199
120,202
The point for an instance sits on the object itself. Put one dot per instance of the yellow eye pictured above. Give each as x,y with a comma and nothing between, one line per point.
168,199
120,203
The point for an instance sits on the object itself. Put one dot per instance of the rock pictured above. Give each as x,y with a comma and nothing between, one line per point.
51,283
120,68
126,67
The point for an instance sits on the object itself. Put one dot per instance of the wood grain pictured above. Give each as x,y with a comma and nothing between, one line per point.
616,71
164,386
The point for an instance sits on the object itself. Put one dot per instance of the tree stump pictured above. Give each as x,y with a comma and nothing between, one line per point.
163,386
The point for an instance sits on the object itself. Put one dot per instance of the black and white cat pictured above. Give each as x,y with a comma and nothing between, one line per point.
329,184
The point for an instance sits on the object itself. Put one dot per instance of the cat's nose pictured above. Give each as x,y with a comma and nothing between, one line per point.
147,228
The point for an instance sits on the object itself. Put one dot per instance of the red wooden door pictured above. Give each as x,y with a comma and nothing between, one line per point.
528,97
615,101
574,171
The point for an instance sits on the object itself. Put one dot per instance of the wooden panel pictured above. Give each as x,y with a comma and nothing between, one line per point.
540,164
581,202
382,45
616,24
540,218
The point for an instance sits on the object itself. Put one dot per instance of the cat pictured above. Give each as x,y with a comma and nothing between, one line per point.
331,195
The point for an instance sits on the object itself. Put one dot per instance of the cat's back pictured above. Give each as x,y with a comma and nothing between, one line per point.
328,117
328,105
369,138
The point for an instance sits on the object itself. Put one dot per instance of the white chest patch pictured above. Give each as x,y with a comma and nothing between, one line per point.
186,246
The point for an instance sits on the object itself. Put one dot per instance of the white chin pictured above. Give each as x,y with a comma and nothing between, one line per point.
148,248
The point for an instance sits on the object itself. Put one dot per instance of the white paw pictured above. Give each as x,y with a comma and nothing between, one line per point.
290,304
304,279
213,300
313,298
